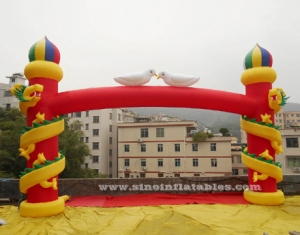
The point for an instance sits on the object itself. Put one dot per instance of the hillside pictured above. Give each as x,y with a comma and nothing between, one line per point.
214,120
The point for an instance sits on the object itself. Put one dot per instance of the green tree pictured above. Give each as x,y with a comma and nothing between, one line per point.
12,121
199,136
224,131
75,150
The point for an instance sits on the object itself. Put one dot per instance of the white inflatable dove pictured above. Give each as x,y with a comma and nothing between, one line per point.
137,79
178,79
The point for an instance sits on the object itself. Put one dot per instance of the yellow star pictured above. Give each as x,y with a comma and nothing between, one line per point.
266,155
40,117
266,118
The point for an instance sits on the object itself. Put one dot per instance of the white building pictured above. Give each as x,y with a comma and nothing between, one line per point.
100,129
7,100
166,149
290,158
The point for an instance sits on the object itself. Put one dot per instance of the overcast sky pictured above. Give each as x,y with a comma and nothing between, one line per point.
100,39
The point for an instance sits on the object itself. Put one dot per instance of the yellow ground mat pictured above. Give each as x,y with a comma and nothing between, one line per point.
165,220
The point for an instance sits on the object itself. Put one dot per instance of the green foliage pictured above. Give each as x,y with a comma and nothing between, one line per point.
210,135
12,122
90,173
224,131
75,150
200,136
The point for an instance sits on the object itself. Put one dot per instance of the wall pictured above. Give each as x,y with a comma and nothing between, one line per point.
9,188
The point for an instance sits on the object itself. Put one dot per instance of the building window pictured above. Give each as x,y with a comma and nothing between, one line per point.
95,119
86,165
95,131
126,148
292,143
78,114
7,106
143,162
13,80
293,161
110,116
160,148
144,132
95,145
110,128
86,126
177,147
239,159
126,175
195,162
196,174
87,113
95,159
213,147
110,164
119,117
142,175
86,139
160,162
213,162
126,162
81,139
177,175
96,171
245,171
160,175
232,159
110,152
195,147
160,132
143,148
235,171
177,162
110,140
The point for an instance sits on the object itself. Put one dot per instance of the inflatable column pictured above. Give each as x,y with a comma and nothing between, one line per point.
264,139
39,142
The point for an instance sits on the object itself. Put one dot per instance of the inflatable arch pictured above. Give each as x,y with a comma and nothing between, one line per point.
44,107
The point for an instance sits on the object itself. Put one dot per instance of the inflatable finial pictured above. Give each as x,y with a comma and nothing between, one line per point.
44,50
258,57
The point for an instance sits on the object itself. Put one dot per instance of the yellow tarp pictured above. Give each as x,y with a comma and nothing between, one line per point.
183,219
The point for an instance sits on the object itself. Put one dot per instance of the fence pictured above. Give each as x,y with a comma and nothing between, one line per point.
9,188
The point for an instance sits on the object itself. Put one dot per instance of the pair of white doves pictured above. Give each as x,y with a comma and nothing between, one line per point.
140,79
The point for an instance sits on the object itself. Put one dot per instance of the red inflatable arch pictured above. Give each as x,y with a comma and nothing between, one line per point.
44,107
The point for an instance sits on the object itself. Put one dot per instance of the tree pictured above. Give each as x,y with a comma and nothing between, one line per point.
224,131
75,151
12,121
199,136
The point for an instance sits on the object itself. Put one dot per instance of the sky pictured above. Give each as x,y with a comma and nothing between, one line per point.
99,39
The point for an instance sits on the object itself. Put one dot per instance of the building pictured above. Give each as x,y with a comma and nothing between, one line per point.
166,149
100,134
7,100
287,119
290,158
238,168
